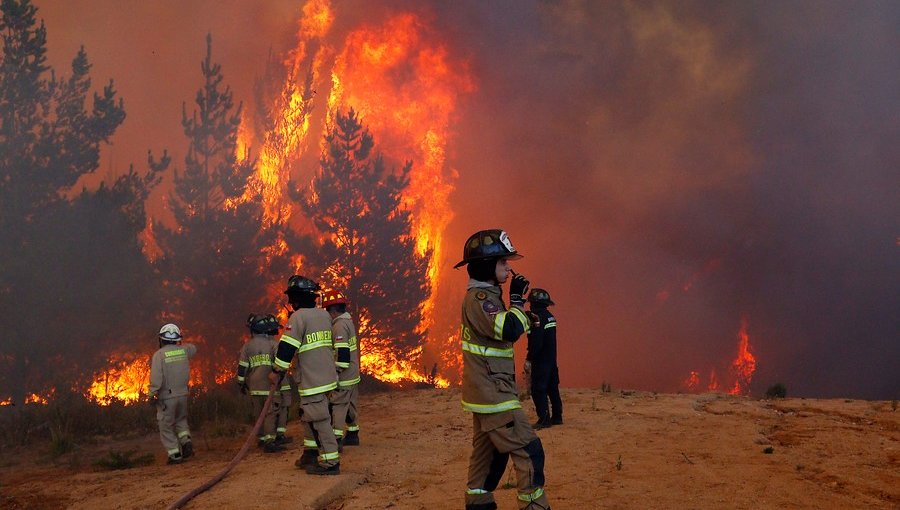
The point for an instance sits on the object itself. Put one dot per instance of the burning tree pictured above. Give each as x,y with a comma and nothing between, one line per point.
73,280
366,246
216,257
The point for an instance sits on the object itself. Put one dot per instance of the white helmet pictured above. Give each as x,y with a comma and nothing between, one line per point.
170,333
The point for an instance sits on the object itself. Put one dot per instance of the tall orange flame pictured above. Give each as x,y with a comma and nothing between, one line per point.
741,369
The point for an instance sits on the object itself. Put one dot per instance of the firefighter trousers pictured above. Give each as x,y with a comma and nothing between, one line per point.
343,409
267,431
544,388
281,416
171,416
318,427
496,438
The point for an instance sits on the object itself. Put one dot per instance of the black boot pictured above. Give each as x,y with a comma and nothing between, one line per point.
175,458
542,423
316,469
351,438
556,420
187,449
283,439
272,447
482,506
308,458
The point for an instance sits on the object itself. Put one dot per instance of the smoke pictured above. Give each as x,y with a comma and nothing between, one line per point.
666,168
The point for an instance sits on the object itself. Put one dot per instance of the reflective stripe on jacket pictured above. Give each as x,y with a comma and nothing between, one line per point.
487,334
307,340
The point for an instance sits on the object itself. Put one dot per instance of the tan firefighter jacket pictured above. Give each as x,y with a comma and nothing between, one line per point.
488,331
170,370
308,337
255,364
344,334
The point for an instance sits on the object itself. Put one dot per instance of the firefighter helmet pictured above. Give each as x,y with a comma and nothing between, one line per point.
299,283
262,324
170,333
488,244
540,296
272,324
333,297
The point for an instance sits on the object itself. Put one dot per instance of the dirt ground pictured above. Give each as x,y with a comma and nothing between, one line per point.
616,450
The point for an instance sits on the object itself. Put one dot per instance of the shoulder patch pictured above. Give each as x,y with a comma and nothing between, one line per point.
481,295
490,307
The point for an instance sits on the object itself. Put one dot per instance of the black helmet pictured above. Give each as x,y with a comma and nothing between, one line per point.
299,283
540,296
488,244
262,324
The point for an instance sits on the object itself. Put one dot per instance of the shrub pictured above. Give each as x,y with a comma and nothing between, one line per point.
777,390
124,460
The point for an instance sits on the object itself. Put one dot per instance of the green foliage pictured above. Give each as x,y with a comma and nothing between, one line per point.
368,250
68,262
777,390
216,256
123,460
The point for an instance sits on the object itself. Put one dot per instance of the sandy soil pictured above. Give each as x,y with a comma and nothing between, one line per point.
616,450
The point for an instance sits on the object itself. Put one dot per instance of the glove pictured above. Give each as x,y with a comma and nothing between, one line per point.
243,387
153,400
518,288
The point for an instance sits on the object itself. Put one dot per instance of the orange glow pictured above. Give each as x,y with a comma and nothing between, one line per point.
34,398
410,120
693,381
126,379
7,402
744,364
741,369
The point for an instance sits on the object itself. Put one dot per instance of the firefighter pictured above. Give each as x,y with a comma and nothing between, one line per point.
307,337
285,391
170,372
254,367
541,361
500,428
344,399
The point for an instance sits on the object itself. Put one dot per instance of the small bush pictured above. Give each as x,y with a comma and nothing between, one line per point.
124,460
777,390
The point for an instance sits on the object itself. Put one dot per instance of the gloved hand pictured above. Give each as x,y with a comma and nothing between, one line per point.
518,288
243,387
153,400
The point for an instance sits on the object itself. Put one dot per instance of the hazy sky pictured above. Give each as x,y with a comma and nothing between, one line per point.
667,168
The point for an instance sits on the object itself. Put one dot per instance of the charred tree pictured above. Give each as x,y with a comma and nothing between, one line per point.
216,259
367,247
73,280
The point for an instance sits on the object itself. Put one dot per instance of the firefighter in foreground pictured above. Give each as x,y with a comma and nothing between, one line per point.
254,367
344,399
541,361
307,337
170,372
500,427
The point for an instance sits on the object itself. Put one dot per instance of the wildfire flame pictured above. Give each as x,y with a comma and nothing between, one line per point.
741,369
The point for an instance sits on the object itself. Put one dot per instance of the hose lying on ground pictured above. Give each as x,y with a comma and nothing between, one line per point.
237,458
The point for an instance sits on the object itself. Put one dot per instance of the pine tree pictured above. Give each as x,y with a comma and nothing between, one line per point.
217,258
367,247
72,277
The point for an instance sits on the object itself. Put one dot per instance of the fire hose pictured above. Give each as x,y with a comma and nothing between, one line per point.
234,462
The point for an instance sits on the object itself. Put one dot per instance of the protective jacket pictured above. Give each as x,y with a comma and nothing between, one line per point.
170,370
542,340
347,347
255,364
308,338
488,332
